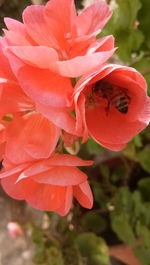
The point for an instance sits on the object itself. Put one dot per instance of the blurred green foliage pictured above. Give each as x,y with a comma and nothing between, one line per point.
131,221
123,26
93,248
120,181
144,25
130,26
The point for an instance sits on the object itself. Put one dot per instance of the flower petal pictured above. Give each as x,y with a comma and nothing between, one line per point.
59,176
93,18
113,147
23,142
83,195
13,99
47,197
37,56
16,33
19,190
13,171
103,127
42,85
82,64
66,205
60,16
5,70
36,26
59,116
81,126
43,143
68,160
48,164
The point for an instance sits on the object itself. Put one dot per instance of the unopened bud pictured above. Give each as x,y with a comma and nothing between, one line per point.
14,229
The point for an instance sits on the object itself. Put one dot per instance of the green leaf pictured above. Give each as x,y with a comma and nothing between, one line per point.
143,65
143,255
93,249
130,151
122,26
72,255
39,255
128,41
92,146
123,200
94,223
144,234
122,227
138,140
137,206
144,186
105,171
144,20
124,216
54,256
144,159
118,173
99,194
128,12
37,235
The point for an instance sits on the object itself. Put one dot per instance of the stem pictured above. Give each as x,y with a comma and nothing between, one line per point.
129,168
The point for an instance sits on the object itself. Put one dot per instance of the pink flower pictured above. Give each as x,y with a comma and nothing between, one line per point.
54,37
51,45
32,172
3,125
41,43
12,98
112,105
48,184
29,137
14,229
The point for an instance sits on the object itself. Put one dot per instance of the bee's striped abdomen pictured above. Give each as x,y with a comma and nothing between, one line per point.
115,95
119,100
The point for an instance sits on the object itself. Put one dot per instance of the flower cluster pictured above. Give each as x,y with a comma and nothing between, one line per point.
56,88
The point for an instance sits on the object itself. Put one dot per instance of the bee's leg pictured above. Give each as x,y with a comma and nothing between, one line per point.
107,108
129,99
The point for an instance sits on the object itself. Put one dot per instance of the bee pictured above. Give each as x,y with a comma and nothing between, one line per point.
115,95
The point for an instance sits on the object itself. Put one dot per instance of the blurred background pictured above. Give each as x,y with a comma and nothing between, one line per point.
117,229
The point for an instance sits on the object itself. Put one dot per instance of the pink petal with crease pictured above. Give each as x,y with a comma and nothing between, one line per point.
93,18
83,195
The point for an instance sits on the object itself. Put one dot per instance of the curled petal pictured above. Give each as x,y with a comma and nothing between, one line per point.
37,56
66,205
82,64
67,160
16,33
14,171
83,195
60,176
47,171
